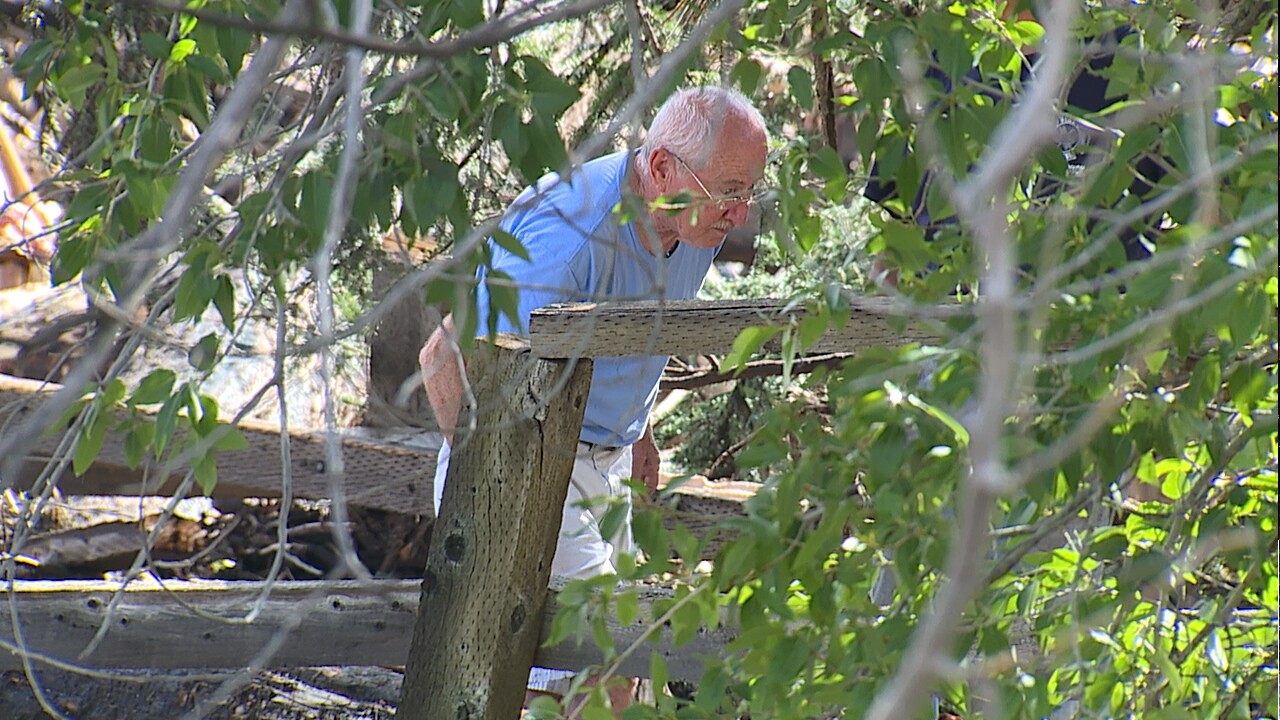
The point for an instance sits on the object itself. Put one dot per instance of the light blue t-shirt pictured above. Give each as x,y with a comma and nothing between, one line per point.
579,252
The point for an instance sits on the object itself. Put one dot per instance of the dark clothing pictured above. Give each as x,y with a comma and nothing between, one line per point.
1087,94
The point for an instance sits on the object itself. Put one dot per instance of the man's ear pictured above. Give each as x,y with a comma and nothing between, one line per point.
661,167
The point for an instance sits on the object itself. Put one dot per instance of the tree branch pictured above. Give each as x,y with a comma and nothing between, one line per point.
493,32
753,369
981,202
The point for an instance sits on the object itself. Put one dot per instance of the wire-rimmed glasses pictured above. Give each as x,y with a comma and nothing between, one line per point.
727,200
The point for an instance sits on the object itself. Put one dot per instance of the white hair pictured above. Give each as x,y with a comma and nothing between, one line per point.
690,121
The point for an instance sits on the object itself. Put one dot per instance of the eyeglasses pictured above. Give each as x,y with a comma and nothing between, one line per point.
743,197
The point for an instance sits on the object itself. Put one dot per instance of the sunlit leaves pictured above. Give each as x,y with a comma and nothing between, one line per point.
154,388
867,464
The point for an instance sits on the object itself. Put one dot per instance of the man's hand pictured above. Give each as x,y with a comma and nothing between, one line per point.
645,460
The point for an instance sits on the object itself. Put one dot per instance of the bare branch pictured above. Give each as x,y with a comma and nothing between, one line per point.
497,30
981,202
753,369
321,269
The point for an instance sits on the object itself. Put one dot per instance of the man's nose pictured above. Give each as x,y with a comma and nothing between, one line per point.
737,212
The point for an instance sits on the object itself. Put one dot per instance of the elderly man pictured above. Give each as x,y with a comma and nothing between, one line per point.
609,232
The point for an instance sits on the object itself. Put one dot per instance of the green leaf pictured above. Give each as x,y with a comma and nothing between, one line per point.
230,438
940,415
543,707
74,84
1205,380
650,535
234,44
686,544
1251,317
206,472
511,244
187,92
597,711
627,607
181,50
564,623
551,95
801,84
601,637
1116,699
156,139
112,394
685,623
748,344
208,68
504,299
904,244
156,387
746,74
1248,386
659,675
204,353
888,451
827,164
466,13
1026,32
613,519
812,326
835,41
762,452
204,415
34,56
787,659
711,688
431,196
155,45
313,205
137,442
224,298
89,442
167,419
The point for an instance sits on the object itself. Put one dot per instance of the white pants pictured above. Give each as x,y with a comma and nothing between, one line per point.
598,474
581,549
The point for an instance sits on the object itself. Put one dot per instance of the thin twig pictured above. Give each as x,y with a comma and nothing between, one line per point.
322,269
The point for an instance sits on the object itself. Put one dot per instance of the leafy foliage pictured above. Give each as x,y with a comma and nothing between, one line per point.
1131,572
1125,557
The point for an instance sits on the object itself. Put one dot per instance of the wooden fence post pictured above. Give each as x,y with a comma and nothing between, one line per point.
490,559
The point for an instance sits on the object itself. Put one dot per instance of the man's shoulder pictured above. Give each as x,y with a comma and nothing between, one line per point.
595,182
582,199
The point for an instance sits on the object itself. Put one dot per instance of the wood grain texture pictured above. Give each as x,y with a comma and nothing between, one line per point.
491,549
704,326
381,476
343,622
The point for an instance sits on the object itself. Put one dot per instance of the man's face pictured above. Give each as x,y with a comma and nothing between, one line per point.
721,191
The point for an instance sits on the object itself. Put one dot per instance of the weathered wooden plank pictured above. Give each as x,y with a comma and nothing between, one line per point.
491,548
382,476
705,326
342,622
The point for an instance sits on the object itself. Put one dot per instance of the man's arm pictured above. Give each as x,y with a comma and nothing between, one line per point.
442,375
